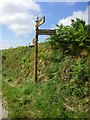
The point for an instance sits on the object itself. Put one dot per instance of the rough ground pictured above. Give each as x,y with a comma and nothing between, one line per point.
3,112
0,108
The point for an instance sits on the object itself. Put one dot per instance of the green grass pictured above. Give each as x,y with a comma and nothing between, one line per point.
62,88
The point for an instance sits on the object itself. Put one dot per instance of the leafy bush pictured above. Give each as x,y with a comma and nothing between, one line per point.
71,39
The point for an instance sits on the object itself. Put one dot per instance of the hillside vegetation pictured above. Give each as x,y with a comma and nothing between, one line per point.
62,90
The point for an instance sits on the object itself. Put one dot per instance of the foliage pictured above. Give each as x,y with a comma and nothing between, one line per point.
71,39
63,79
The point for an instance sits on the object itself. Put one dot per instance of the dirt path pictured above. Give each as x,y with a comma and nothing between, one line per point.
3,111
0,108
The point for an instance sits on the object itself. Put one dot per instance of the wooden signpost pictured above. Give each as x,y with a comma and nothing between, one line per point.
35,40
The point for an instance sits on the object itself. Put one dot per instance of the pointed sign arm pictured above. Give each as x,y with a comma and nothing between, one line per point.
41,21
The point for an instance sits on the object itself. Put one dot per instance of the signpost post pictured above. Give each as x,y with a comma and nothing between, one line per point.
36,49
35,40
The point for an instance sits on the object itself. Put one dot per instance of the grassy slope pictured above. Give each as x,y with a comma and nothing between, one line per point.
62,90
